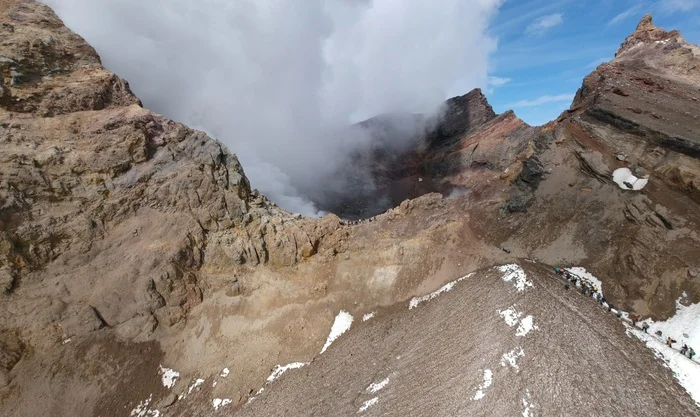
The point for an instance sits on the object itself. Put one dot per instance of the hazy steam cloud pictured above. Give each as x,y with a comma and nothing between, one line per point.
278,81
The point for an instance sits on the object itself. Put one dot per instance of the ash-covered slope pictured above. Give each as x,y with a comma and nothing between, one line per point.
525,346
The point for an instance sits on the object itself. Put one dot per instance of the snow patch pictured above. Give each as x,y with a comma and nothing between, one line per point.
374,387
527,404
510,315
515,273
194,385
415,301
686,321
623,177
142,409
367,404
224,373
511,358
581,272
220,402
526,326
168,376
686,371
488,380
368,316
342,323
279,370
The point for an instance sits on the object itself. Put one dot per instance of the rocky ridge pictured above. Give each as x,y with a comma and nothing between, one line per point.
131,242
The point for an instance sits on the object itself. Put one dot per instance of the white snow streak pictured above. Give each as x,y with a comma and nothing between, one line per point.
224,373
488,380
368,316
194,385
367,404
516,274
527,404
342,323
511,358
142,409
687,372
526,325
374,387
415,301
279,370
623,177
168,376
220,402
581,272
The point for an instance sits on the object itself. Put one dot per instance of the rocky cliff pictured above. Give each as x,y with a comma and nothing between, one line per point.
131,243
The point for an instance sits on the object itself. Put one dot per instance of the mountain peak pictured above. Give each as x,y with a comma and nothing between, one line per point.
465,112
646,23
645,33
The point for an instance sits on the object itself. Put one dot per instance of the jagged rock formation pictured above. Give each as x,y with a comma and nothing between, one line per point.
444,154
129,241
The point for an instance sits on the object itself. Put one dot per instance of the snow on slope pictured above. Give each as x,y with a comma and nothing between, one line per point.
686,321
512,317
168,376
687,372
624,178
280,369
342,323
516,274
415,301
377,386
488,380
367,404
581,272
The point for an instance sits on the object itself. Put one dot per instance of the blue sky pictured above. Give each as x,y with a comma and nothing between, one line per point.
547,47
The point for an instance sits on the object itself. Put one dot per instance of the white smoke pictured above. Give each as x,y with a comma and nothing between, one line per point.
278,80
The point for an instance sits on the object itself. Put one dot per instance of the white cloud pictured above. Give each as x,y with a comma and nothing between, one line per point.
544,23
678,5
278,81
542,100
498,81
625,15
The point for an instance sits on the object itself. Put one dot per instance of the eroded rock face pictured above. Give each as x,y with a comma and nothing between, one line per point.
642,105
437,154
129,241
109,212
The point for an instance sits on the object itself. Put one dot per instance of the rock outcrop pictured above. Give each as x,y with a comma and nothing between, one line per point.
130,243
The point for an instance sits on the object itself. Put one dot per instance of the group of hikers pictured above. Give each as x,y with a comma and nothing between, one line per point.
360,221
591,289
